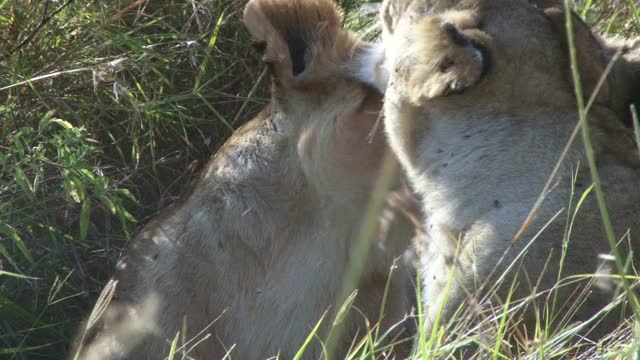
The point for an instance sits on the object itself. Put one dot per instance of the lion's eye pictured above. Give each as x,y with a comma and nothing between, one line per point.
446,64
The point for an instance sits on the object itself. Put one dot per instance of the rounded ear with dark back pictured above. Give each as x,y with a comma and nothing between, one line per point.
292,33
589,52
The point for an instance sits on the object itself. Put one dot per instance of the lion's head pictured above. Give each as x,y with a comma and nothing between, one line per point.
519,47
316,97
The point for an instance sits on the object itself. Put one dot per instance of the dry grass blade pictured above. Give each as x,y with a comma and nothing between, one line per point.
102,303
200,336
96,313
252,92
636,124
47,76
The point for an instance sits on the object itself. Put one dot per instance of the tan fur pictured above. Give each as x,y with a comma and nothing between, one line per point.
256,254
480,159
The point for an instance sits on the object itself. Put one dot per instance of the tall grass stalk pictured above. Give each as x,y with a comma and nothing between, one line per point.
586,138
362,245
636,125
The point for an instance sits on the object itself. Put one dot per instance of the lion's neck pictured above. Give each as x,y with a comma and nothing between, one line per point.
470,165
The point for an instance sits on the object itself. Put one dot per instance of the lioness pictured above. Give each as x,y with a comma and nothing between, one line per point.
480,158
257,253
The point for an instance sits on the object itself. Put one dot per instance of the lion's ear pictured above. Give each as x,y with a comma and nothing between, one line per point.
293,33
589,52
390,13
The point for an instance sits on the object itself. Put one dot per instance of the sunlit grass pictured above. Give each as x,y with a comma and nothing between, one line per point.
107,110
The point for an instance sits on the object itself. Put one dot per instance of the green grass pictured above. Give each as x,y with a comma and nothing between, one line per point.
107,111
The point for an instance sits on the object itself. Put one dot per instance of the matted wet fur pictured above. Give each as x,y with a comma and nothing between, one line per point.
250,261
480,159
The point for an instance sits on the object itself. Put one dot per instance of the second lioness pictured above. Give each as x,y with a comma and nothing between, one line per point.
481,158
